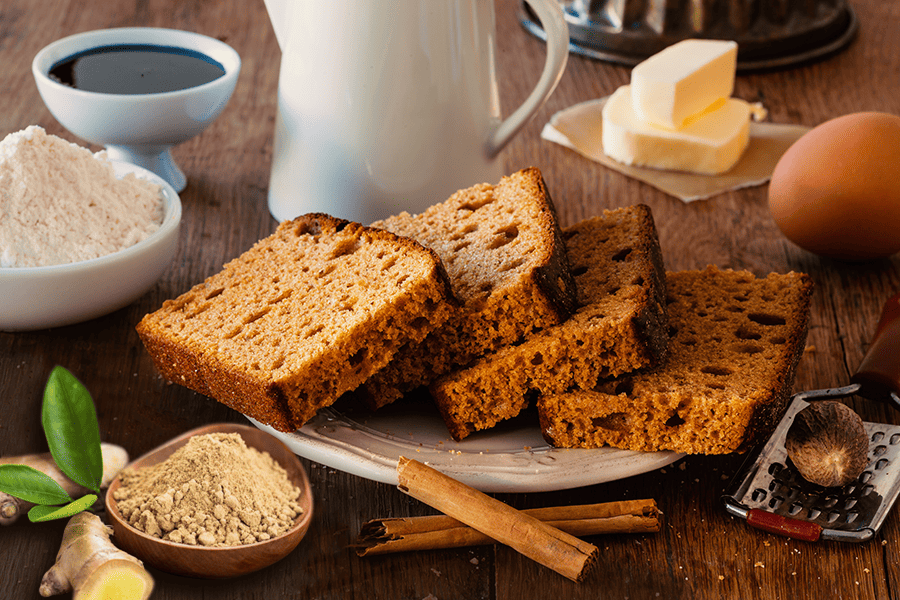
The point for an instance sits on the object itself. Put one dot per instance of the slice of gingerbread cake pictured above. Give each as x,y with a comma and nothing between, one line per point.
303,316
502,248
735,341
619,326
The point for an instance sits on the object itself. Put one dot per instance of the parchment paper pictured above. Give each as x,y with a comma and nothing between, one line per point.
579,128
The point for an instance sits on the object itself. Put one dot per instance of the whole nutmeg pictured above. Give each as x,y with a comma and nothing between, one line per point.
827,442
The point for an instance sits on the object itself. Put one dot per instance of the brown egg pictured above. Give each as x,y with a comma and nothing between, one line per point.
836,191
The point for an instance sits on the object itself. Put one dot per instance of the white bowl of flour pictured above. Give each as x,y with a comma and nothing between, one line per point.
77,271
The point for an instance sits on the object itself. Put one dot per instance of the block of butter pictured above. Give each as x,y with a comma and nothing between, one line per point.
709,145
683,81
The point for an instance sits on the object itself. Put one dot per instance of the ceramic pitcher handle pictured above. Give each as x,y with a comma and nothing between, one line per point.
552,20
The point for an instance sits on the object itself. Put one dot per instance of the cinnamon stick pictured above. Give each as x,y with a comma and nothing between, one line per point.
539,541
383,536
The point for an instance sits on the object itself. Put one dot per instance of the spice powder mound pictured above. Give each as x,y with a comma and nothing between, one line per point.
213,491
60,204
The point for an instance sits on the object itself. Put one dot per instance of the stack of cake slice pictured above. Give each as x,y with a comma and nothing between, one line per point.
323,306
618,327
694,361
484,299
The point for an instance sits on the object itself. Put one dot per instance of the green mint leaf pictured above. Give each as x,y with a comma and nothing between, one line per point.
31,485
38,514
70,424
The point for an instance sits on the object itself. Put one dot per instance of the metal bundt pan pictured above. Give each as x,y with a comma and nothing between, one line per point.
770,33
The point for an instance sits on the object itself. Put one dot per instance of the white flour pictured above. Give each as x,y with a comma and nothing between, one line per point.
59,203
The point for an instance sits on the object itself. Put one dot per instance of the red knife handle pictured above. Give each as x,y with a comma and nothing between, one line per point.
792,528
880,367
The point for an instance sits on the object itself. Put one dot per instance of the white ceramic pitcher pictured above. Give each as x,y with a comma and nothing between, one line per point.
392,105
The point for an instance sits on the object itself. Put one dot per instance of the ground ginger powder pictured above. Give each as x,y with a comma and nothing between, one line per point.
213,491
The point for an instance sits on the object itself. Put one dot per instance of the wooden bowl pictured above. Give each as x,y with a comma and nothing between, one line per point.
219,562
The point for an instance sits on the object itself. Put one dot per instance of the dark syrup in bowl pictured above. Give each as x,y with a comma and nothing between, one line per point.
136,69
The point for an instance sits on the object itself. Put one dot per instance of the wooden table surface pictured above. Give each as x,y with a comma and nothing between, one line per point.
700,552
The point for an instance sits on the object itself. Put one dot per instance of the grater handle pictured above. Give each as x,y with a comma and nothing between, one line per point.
880,367
792,528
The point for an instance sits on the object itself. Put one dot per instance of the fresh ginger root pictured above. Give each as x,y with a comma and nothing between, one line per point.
11,508
92,568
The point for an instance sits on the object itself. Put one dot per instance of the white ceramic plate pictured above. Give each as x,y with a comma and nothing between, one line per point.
512,457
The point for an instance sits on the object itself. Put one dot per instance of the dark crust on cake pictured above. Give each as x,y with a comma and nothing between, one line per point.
562,297
651,320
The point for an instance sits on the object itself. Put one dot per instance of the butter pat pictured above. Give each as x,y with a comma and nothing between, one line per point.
709,145
682,81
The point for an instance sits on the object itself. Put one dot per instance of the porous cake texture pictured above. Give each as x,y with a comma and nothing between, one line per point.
735,341
618,326
502,248
305,315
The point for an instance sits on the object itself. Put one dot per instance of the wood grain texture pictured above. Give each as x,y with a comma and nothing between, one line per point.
701,552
